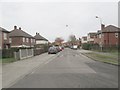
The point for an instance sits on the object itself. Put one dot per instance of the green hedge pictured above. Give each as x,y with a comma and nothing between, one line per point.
8,53
87,46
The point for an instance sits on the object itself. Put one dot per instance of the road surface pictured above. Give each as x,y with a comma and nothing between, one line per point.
70,69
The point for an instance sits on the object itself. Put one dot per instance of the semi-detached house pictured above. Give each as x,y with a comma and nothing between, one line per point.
20,38
40,39
108,36
4,39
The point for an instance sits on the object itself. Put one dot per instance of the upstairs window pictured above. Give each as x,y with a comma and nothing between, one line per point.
10,40
99,35
5,36
23,39
27,39
116,35
31,40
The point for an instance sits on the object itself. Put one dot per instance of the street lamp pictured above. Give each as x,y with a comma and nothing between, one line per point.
101,32
100,19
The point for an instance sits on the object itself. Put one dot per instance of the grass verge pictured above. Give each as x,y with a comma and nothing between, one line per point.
103,57
7,60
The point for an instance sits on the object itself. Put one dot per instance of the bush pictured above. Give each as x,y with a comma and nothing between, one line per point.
87,46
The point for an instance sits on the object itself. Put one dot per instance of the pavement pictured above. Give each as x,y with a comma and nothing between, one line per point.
13,72
67,69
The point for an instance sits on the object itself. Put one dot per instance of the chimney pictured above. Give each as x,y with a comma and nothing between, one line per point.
19,28
102,26
15,27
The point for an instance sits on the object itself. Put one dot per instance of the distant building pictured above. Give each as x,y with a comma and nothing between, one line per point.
20,38
40,40
84,39
108,36
4,39
90,37
97,37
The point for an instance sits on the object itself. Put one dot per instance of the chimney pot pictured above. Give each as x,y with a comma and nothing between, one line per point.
19,28
15,27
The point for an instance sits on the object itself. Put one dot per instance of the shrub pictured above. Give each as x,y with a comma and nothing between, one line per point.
87,46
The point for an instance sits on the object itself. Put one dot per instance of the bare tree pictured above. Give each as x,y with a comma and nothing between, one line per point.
59,40
72,39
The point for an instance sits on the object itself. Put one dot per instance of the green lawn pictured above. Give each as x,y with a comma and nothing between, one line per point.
111,58
7,60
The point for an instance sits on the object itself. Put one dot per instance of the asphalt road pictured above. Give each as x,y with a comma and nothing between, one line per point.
70,69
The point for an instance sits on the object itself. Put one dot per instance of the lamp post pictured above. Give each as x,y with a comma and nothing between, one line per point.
101,45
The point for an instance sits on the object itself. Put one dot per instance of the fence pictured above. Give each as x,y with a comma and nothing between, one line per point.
24,53
21,53
39,51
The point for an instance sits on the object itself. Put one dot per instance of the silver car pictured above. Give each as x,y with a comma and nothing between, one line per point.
52,50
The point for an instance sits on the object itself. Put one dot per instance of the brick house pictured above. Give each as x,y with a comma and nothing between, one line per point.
84,39
108,36
40,40
20,38
97,37
4,39
90,37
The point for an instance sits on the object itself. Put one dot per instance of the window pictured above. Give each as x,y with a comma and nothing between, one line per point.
10,40
27,40
5,36
102,35
23,39
116,35
99,35
31,40
34,40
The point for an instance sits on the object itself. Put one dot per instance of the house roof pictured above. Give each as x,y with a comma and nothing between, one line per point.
39,37
92,33
3,30
84,37
19,33
111,28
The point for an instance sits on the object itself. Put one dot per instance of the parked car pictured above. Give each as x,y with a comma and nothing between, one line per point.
52,50
75,47
62,47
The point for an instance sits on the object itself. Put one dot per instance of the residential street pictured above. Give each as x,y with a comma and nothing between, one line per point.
70,69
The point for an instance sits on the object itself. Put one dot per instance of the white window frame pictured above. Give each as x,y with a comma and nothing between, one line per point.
100,35
116,35
23,39
5,36
31,40
10,40
34,40
27,39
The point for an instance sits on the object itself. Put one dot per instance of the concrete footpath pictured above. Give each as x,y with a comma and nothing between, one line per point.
13,72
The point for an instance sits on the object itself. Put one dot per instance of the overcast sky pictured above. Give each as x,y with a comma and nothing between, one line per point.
50,18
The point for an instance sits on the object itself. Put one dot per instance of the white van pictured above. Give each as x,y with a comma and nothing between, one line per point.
75,47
